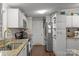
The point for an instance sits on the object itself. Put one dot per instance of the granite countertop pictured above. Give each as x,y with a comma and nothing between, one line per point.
72,38
14,52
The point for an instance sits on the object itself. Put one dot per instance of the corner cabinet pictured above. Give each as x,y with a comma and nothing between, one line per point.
15,18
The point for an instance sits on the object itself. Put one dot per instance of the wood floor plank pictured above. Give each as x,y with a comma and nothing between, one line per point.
39,50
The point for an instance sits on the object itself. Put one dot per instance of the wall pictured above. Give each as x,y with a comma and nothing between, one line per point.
11,33
0,21
37,28
4,18
29,20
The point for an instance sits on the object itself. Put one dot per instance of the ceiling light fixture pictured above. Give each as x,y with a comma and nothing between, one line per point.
42,11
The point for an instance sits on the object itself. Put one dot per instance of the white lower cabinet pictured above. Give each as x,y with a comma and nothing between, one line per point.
23,52
73,43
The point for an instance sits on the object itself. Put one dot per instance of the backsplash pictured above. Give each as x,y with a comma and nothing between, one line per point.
12,32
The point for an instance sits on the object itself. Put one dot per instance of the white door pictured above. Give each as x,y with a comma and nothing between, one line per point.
37,37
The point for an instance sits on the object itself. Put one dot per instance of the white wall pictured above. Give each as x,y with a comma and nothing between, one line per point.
12,33
4,18
0,21
37,28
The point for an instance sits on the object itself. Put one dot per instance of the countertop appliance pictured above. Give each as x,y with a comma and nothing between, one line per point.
21,35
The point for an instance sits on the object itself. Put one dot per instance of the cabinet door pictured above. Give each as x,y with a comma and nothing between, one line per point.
12,18
15,18
75,21
68,21
23,51
20,22
24,21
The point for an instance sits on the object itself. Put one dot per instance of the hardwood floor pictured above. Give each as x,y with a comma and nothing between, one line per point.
39,50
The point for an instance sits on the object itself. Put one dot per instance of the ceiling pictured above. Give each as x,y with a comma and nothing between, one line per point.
30,8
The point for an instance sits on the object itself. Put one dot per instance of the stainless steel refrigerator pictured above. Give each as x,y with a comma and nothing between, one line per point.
48,36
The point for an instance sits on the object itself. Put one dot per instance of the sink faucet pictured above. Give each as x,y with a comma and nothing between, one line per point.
6,31
5,34
4,38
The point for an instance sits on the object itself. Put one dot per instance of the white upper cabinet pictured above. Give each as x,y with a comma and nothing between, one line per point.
15,18
72,21
20,19
25,21
75,21
68,21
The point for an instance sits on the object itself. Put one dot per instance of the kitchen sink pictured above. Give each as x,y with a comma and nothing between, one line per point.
10,46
